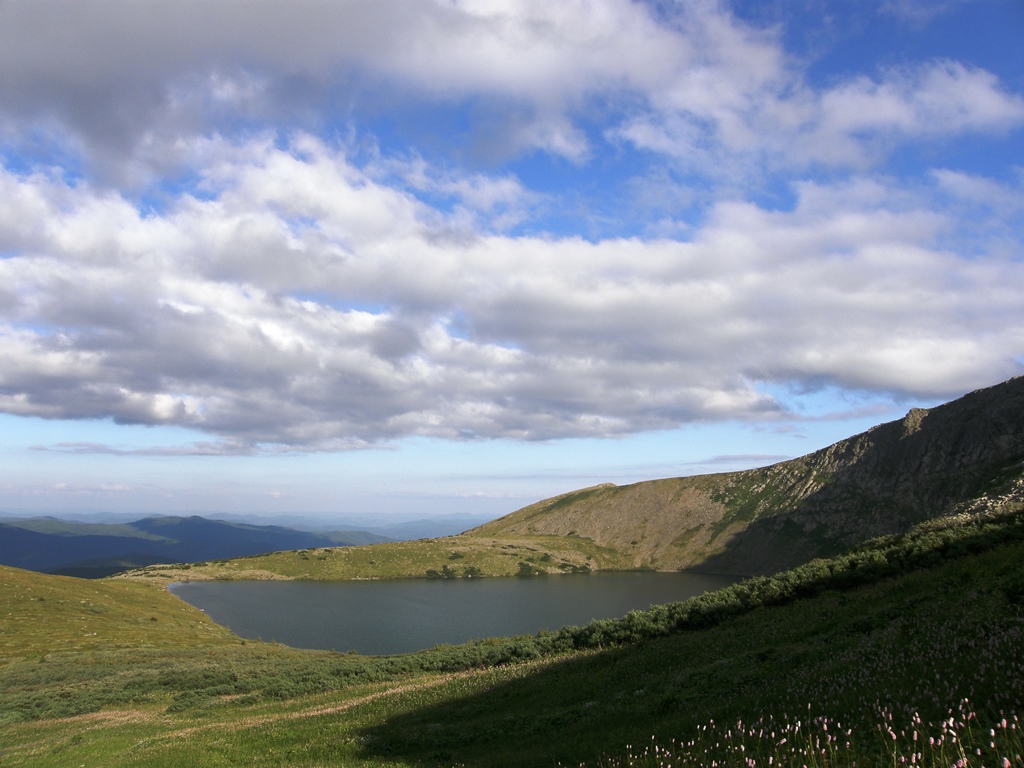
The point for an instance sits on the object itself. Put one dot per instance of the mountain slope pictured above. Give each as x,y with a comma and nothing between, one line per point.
41,613
966,454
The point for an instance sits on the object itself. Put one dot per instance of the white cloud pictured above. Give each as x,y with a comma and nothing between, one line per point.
307,305
137,73
185,249
719,96
979,190
781,123
944,98
920,11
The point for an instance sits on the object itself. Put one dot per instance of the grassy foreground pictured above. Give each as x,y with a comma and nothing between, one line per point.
908,650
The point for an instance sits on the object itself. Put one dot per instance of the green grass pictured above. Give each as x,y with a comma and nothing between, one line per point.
867,649
487,556
42,614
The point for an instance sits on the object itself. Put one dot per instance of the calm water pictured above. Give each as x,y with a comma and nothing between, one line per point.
385,617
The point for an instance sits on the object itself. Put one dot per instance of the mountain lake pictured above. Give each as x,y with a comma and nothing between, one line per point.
402,616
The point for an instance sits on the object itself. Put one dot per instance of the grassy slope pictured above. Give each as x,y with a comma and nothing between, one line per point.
492,556
42,614
761,521
662,524
917,642
751,522
899,646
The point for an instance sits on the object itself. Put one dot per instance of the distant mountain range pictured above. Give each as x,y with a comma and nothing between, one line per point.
94,550
966,456
78,547
963,456
389,528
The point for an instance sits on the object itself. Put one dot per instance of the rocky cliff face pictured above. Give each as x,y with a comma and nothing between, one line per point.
966,455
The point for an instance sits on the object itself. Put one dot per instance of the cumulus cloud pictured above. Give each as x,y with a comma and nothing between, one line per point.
856,124
982,191
307,305
121,83
133,75
197,227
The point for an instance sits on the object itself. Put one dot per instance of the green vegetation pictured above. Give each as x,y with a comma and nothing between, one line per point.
569,500
838,662
42,615
463,556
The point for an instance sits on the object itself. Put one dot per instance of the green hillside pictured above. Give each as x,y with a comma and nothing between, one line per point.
42,614
450,557
962,456
838,662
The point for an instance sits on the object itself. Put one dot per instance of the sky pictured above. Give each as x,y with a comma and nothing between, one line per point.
413,257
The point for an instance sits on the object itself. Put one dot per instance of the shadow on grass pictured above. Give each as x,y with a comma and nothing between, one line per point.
896,633
586,706
564,711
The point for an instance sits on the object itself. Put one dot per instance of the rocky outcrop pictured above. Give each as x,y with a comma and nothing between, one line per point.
966,455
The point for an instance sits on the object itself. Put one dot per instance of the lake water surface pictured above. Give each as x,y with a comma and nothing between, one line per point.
386,617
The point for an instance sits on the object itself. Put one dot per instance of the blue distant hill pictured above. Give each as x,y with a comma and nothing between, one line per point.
94,550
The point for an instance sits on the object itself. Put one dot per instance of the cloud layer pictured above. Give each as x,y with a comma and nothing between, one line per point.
193,230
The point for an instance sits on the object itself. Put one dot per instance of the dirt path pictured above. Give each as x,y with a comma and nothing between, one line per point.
158,718
248,722
319,711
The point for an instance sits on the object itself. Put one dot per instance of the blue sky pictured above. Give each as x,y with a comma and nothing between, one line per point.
407,258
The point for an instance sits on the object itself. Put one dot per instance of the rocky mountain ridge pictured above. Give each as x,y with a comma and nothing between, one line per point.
965,455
